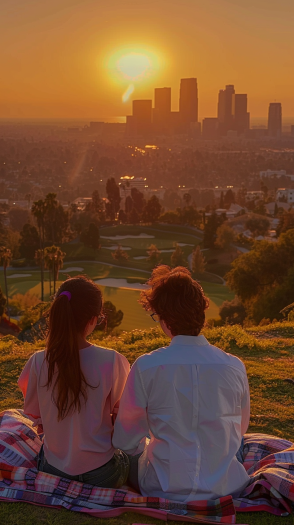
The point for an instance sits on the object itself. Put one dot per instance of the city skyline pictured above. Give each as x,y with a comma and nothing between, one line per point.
58,56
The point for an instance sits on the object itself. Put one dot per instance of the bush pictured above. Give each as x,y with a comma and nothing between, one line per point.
18,263
232,312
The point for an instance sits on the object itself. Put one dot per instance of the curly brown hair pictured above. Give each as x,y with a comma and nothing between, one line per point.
177,299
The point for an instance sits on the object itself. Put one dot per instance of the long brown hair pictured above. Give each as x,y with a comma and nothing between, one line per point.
68,317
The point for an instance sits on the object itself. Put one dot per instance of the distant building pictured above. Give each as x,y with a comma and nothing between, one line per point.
162,110
131,126
285,195
272,173
225,109
275,119
210,128
96,127
142,112
188,101
240,113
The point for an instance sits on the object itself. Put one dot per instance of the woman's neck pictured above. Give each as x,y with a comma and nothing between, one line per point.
83,343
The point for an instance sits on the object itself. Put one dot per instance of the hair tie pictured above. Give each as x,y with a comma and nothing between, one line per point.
68,295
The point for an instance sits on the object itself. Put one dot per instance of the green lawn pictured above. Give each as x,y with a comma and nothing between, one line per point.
268,354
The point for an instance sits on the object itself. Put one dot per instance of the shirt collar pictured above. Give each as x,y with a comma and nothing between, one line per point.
191,340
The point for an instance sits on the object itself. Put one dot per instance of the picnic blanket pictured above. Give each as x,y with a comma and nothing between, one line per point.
269,461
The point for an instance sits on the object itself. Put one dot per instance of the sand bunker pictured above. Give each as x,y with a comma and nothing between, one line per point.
184,244
115,247
120,283
72,269
140,257
15,275
121,237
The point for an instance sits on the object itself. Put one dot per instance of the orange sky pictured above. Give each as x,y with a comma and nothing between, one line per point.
55,53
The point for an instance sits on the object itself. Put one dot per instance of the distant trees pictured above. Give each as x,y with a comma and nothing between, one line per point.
2,304
29,241
178,257
286,222
90,237
198,262
263,278
258,225
187,215
152,210
232,312
213,222
225,236
113,317
119,254
5,260
113,195
153,255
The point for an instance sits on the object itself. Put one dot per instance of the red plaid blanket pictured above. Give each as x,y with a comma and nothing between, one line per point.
270,462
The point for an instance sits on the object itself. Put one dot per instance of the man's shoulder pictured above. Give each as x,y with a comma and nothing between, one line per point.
150,360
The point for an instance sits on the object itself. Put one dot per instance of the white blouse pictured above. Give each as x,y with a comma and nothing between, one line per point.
81,441
193,400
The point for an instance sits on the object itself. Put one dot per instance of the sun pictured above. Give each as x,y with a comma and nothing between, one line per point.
131,66
134,66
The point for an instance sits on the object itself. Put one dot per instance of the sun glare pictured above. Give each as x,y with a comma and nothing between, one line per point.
133,66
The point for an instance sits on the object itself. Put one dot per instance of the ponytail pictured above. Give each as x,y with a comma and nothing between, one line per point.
68,317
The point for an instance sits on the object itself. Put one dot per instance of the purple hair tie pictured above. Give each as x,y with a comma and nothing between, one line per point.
68,295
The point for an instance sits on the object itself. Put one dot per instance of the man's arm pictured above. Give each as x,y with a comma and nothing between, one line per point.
131,426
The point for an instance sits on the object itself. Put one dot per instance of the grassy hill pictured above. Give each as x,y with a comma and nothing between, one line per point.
268,353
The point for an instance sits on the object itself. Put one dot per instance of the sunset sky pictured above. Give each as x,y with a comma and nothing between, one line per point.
59,57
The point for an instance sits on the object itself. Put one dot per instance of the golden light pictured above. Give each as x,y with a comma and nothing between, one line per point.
133,65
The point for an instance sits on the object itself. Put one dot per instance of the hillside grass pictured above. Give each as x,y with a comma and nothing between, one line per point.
268,353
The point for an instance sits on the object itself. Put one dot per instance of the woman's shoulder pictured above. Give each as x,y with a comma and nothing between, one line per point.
107,354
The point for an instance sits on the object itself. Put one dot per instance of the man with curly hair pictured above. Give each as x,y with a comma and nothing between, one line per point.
190,397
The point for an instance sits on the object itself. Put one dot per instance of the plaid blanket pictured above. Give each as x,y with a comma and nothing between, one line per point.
269,461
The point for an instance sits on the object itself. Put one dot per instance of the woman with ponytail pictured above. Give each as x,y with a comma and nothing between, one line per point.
73,389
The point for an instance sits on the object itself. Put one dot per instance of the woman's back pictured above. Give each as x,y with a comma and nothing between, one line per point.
81,441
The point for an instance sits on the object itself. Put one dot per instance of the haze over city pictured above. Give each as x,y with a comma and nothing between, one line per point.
62,58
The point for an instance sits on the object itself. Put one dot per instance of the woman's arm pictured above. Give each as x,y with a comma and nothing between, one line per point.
121,369
131,426
28,383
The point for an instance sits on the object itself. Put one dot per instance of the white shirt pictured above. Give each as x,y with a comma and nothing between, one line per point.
81,441
193,400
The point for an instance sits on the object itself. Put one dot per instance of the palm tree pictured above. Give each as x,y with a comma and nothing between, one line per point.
5,259
39,211
48,263
57,257
51,204
39,258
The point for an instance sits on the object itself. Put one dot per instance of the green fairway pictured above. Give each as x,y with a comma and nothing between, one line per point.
101,265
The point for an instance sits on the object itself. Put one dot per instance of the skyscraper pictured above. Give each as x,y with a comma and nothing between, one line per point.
240,113
225,109
188,101
142,113
275,119
162,110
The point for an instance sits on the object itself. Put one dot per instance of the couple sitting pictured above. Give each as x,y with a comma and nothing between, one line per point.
190,398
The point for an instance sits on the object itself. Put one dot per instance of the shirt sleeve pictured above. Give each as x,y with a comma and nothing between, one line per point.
121,369
28,383
245,407
131,426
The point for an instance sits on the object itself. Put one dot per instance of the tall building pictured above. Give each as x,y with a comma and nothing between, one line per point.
240,113
162,110
210,128
225,109
275,119
142,113
188,101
